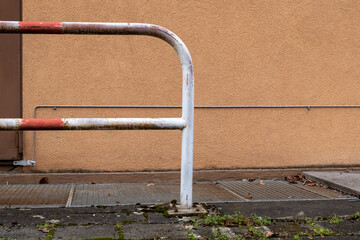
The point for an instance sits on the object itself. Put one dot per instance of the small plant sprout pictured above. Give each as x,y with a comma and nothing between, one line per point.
335,219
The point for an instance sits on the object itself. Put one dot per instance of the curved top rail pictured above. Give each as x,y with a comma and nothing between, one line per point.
117,29
103,29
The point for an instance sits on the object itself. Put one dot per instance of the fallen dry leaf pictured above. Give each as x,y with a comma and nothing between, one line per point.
269,234
251,179
45,230
228,222
297,178
150,184
44,180
312,184
249,196
290,179
110,195
261,182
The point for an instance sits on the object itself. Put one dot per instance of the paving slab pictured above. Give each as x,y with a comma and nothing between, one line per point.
290,228
66,216
342,237
158,218
342,227
154,231
239,230
21,233
293,209
98,218
348,182
202,232
86,232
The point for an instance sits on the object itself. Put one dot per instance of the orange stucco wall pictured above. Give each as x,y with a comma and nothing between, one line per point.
248,52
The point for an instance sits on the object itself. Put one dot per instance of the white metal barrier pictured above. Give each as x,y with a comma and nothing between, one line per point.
185,123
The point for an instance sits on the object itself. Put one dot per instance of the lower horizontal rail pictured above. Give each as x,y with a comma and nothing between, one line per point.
13,124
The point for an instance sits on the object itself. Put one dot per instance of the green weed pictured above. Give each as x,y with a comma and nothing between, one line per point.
214,220
315,231
219,220
190,232
48,228
220,235
160,208
335,219
256,232
356,216
261,221
320,231
119,227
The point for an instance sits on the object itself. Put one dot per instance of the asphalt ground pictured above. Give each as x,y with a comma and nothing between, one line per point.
319,219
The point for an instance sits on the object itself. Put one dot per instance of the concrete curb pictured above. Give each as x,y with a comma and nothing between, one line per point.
348,182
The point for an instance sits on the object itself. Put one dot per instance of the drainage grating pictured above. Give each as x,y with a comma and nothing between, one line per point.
212,193
276,190
333,194
34,195
82,195
131,193
121,193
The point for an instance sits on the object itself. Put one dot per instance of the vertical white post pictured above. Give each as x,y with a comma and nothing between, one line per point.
187,144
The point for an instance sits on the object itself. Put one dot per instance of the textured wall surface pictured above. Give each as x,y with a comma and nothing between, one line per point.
247,52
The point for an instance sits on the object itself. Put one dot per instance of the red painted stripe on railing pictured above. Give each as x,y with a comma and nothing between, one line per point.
41,27
41,124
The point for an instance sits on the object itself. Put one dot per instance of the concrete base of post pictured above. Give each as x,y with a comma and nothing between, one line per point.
196,210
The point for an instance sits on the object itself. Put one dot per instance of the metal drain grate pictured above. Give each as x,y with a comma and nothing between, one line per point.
58,195
122,193
131,193
333,194
212,193
275,190
49,195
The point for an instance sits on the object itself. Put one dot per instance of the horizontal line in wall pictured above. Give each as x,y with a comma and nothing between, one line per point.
126,106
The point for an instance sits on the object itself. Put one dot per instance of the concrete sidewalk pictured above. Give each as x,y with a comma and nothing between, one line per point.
348,182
